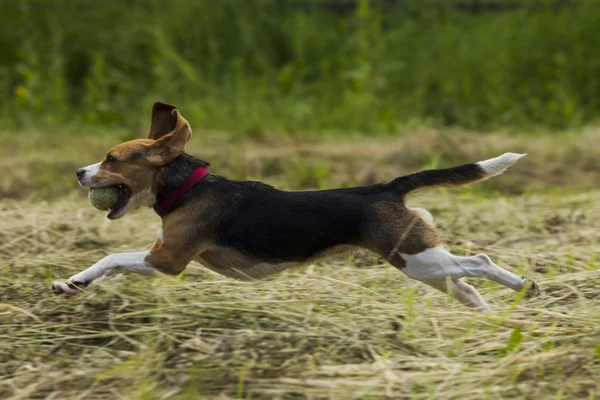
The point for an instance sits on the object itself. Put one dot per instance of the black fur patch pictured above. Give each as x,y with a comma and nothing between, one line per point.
174,174
460,175
279,226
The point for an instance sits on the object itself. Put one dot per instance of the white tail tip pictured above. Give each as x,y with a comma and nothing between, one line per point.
496,166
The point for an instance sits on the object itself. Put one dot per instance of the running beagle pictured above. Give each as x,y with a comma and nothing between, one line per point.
248,230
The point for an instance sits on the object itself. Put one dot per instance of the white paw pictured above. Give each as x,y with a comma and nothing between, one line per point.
534,288
68,287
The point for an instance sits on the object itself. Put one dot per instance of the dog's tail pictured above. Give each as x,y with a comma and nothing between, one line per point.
455,176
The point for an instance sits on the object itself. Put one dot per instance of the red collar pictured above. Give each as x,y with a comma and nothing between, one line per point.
163,207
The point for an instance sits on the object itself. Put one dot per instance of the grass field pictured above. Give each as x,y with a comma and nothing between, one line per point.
349,328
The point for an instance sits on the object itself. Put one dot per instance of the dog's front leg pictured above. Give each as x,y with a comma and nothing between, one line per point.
134,262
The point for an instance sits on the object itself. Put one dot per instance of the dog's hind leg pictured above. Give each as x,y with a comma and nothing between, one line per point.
462,291
409,242
437,263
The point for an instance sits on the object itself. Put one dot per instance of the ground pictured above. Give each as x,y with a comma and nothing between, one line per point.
350,328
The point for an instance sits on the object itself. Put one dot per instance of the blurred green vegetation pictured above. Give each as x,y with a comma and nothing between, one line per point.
250,67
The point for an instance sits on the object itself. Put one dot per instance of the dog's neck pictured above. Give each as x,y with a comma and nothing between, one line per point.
174,174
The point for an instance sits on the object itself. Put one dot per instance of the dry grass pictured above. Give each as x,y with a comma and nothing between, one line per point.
353,328
350,328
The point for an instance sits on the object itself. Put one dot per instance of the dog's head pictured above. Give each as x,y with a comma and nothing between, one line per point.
133,166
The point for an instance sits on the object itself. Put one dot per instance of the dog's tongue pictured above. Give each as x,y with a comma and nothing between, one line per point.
114,214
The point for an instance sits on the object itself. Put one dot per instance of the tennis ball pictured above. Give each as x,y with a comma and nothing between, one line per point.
104,198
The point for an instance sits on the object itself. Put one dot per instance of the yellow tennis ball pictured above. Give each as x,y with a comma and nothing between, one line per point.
104,198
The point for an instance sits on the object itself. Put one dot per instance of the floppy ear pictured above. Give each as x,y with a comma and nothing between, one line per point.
171,144
162,120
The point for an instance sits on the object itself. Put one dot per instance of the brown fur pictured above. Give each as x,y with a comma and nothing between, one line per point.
392,229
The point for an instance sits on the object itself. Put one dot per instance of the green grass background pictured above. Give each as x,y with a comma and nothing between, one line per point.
301,68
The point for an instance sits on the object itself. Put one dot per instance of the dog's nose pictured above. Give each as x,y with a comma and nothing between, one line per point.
80,172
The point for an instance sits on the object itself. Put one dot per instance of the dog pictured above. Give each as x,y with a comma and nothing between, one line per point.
248,230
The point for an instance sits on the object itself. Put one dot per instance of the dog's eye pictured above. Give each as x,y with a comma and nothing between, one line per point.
110,159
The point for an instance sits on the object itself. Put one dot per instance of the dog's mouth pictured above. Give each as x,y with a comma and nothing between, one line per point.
118,209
